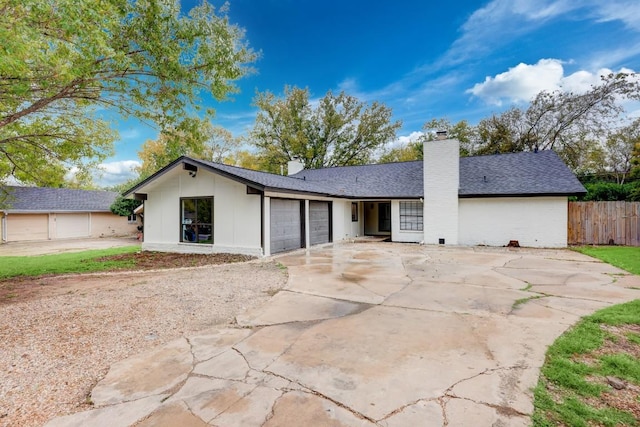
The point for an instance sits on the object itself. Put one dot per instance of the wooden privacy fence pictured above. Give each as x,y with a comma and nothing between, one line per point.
604,223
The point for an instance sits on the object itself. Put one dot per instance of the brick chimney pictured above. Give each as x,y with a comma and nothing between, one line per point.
441,182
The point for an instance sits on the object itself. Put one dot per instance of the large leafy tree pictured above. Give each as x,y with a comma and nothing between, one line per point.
196,138
572,124
339,130
622,149
64,62
413,150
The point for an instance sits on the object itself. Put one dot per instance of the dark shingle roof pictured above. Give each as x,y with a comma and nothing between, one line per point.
391,180
269,180
57,199
517,174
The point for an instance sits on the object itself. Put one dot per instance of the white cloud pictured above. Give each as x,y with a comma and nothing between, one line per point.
405,139
627,11
112,173
523,82
501,21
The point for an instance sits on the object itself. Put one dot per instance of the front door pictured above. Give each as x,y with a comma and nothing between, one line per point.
384,217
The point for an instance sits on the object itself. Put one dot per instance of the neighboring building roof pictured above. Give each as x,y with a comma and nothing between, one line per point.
42,199
515,174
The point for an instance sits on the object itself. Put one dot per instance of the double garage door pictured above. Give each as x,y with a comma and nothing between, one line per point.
288,224
24,227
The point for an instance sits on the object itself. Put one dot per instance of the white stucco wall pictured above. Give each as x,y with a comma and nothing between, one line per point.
441,182
532,221
398,235
236,217
343,227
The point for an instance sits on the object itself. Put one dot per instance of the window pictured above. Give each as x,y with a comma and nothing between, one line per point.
354,212
411,216
132,218
196,220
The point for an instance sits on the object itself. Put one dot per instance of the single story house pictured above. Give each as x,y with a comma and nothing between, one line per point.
38,213
197,206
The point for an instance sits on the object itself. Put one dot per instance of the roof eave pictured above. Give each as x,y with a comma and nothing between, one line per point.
195,162
502,195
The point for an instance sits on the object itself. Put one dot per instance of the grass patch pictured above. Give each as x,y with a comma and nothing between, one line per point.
633,337
526,288
70,262
624,257
517,303
573,379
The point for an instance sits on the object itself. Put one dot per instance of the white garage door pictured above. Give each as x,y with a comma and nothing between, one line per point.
319,222
286,225
72,225
27,227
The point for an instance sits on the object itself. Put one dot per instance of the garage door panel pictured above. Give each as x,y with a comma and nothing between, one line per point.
319,222
27,227
286,225
72,225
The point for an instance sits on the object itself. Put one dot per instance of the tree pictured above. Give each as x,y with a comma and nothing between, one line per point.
221,145
62,62
619,149
124,207
196,138
402,153
571,124
462,131
339,131
413,150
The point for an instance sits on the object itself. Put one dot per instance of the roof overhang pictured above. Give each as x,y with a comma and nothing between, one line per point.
47,211
505,195
190,165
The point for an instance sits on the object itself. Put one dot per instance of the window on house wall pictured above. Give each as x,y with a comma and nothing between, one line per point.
354,212
196,220
132,218
411,216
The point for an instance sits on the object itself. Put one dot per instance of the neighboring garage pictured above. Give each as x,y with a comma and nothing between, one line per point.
286,224
319,222
73,225
36,213
20,227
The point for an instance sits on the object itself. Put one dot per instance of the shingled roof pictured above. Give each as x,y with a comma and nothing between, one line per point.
516,174
388,180
42,199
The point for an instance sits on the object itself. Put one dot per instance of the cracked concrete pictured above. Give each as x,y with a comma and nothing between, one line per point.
371,335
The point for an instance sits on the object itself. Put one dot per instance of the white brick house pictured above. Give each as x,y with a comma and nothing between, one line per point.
199,206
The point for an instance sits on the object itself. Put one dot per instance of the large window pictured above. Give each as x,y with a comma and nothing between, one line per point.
196,220
411,216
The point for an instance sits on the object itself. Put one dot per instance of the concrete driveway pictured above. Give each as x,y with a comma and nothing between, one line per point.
371,334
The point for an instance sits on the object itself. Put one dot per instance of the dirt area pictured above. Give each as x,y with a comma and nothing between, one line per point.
60,334
22,288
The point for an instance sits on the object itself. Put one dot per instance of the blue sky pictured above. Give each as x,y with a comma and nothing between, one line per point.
459,60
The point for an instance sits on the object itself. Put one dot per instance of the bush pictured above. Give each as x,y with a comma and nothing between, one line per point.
124,207
610,191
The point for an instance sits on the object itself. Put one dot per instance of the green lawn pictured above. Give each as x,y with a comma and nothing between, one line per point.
573,389
624,257
71,262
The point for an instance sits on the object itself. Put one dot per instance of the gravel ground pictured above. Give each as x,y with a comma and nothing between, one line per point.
57,344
